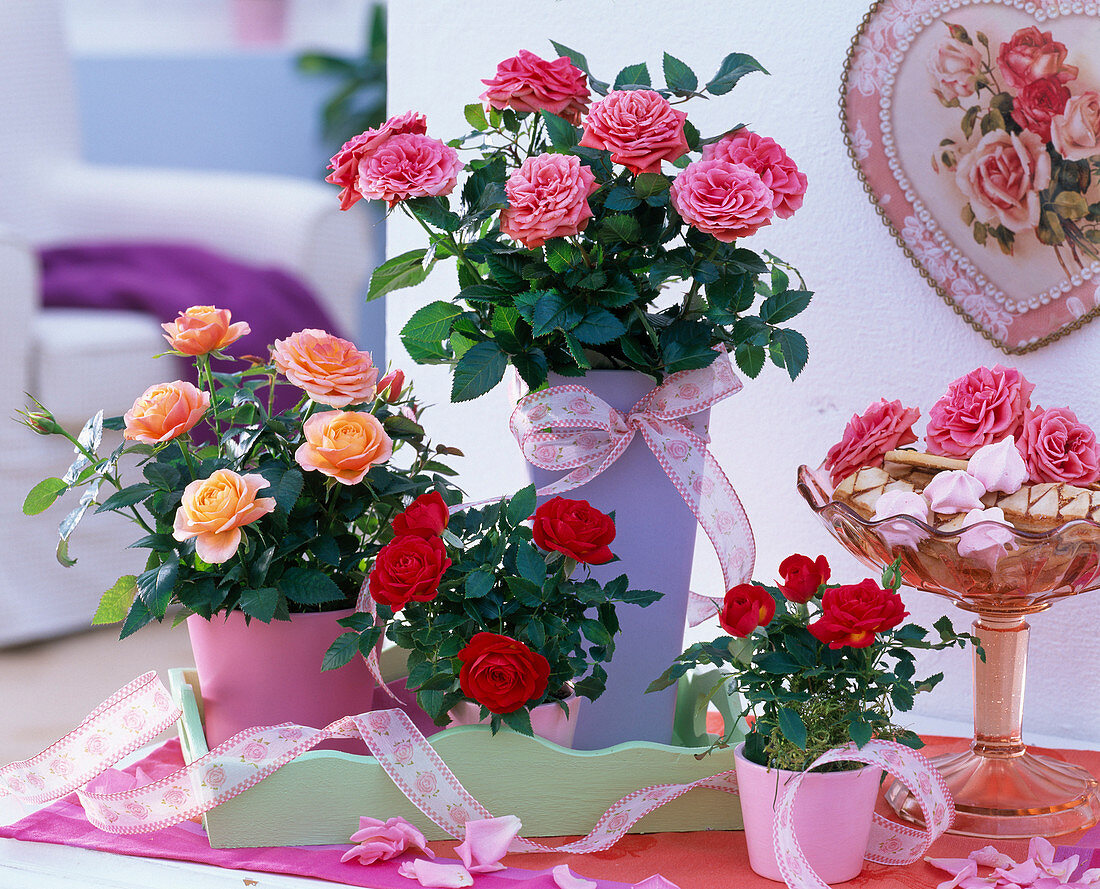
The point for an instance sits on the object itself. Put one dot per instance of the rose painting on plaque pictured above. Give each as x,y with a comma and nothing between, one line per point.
976,129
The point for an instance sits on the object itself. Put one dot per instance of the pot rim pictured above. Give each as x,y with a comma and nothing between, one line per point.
739,756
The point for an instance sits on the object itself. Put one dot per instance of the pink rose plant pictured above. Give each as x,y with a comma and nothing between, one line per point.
955,66
1002,177
406,166
547,198
526,82
639,127
345,163
769,161
728,201
1057,447
978,409
1032,54
1075,133
330,369
884,426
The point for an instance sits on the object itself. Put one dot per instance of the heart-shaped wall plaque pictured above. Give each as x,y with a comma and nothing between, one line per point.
975,126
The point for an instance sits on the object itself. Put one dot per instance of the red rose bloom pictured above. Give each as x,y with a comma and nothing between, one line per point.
408,569
851,615
1038,104
426,516
802,577
1032,54
500,673
574,528
746,607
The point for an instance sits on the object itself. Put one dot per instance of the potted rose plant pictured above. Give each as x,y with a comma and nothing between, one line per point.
497,626
262,528
818,666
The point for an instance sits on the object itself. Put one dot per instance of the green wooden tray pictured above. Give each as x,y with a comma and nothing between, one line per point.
319,797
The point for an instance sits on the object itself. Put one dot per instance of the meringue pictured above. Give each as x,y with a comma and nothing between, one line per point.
954,491
901,532
999,466
986,542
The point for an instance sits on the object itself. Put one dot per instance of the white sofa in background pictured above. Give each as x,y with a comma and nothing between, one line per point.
77,362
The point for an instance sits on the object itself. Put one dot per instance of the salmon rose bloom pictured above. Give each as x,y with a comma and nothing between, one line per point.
723,199
214,510
345,163
343,445
409,165
165,411
331,370
526,82
203,329
547,198
638,127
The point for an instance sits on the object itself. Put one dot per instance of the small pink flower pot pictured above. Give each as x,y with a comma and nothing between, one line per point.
548,721
266,674
832,817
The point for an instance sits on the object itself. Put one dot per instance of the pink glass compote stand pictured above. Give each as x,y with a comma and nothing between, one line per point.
1000,788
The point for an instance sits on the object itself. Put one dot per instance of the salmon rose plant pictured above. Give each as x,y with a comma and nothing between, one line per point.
270,489
817,665
594,227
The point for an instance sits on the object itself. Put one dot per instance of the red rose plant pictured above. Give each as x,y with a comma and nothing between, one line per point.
491,606
817,666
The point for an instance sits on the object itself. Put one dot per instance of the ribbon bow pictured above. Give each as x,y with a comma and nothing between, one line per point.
570,428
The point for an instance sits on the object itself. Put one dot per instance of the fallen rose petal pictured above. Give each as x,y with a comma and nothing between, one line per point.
961,869
487,841
990,856
383,840
566,879
433,875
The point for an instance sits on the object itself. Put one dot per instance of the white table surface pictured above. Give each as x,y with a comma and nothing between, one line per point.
51,866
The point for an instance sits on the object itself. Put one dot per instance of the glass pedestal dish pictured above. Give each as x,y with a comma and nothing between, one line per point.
1000,788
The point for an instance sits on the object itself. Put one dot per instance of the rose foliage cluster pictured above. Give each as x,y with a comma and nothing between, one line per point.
817,665
596,227
488,607
243,504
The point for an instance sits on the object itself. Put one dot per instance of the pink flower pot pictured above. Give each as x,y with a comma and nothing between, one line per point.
266,674
548,721
832,817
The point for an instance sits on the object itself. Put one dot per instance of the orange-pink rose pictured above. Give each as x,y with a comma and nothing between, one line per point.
526,82
203,329
547,198
729,201
343,445
638,127
769,161
165,411
1002,176
391,386
406,166
214,510
345,163
332,370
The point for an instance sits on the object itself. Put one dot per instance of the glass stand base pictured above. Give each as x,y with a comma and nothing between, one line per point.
1024,795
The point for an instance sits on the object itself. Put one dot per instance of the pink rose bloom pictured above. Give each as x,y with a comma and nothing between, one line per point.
1057,447
884,426
383,840
527,83
955,66
978,409
729,201
410,165
1002,177
769,161
330,369
638,127
1038,104
1076,131
345,163
1032,54
391,386
547,198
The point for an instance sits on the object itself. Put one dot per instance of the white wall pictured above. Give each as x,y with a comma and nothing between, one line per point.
875,328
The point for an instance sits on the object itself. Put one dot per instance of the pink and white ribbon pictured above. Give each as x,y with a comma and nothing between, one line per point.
571,428
138,713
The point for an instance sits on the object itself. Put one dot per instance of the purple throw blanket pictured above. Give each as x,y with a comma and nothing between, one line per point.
163,280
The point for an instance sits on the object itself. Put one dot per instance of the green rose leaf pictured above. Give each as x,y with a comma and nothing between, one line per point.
784,306
405,270
678,76
792,727
341,651
115,603
478,371
42,495
430,324
633,77
599,326
734,66
308,586
792,346
479,584
260,603
522,506
562,133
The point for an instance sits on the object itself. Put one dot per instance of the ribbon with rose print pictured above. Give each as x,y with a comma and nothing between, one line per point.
570,428
141,710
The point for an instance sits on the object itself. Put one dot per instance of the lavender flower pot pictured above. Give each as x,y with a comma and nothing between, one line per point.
655,543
